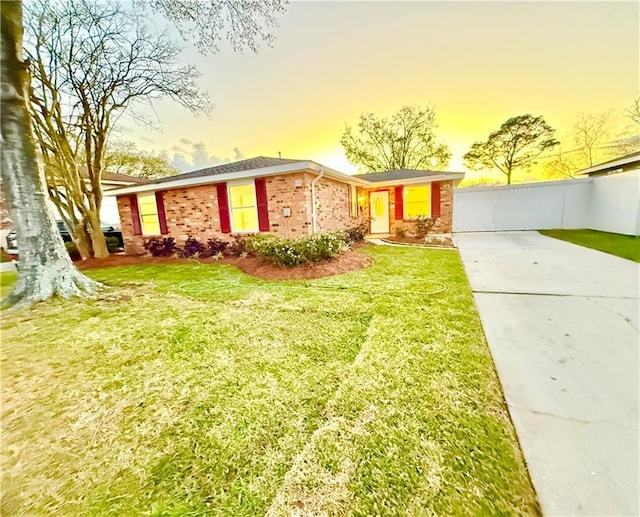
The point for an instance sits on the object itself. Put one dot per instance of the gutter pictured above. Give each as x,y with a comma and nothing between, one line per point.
314,208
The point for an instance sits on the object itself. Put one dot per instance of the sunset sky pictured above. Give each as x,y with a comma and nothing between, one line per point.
477,63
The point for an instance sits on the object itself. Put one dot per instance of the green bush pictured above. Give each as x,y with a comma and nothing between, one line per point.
357,233
303,250
112,244
4,256
239,247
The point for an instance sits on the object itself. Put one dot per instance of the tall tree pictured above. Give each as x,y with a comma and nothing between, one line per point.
406,140
45,266
44,269
92,61
516,145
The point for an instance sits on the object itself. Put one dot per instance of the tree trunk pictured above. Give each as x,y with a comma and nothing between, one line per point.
81,239
97,237
45,268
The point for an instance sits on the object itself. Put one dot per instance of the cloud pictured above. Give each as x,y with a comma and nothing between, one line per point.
197,156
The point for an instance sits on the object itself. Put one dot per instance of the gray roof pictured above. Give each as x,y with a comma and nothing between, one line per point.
622,162
399,174
258,162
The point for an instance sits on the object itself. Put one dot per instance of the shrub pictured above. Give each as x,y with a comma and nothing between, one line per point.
72,250
423,226
112,244
158,247
357,233
4,256
239,247
193,247
295,252
216,245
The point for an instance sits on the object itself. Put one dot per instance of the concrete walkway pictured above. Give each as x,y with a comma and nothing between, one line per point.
562,325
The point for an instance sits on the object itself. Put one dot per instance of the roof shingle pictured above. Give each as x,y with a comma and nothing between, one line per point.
258,162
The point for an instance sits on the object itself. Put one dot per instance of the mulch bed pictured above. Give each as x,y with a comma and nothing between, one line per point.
414,241
343,263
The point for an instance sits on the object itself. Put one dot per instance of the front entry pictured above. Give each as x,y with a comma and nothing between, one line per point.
379,211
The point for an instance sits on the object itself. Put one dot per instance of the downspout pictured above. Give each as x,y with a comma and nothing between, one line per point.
314,211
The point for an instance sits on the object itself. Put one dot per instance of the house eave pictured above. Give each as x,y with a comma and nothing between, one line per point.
456,177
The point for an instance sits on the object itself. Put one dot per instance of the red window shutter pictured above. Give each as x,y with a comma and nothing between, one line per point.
435,199
162,217
261,200
223,207
399,203
135,215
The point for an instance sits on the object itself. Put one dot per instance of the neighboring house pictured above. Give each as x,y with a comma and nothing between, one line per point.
282,197
625,163
108,212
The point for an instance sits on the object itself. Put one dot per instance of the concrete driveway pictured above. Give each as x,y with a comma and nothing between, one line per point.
562,325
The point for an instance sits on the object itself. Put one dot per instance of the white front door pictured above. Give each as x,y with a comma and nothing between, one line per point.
379,210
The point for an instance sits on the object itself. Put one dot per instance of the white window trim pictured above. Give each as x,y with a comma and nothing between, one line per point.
404,201
240,183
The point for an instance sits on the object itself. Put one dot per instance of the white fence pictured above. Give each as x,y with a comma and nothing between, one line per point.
607,203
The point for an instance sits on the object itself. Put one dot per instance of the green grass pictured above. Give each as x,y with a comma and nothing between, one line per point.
625,246
197,390
7,279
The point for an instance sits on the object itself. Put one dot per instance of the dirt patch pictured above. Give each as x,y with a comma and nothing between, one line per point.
343,263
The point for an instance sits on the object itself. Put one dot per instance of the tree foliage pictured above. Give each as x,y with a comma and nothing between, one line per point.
91,62
406,140
516,145
126,158
242,23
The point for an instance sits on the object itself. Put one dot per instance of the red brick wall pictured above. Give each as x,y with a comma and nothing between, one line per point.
190,211
193,211
333,210
289,191
443,224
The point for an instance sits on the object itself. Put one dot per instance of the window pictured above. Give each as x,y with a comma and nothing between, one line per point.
417,201
149,214
243,206
353,201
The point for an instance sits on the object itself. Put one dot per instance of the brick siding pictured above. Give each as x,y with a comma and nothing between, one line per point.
291,191
193,211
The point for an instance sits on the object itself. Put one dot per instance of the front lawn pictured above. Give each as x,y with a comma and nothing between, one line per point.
197,390
625,246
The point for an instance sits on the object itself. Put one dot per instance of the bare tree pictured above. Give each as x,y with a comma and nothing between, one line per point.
516,145
45,269
91,62
592,133
633,112
406,140
562,163
45,266
242,24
